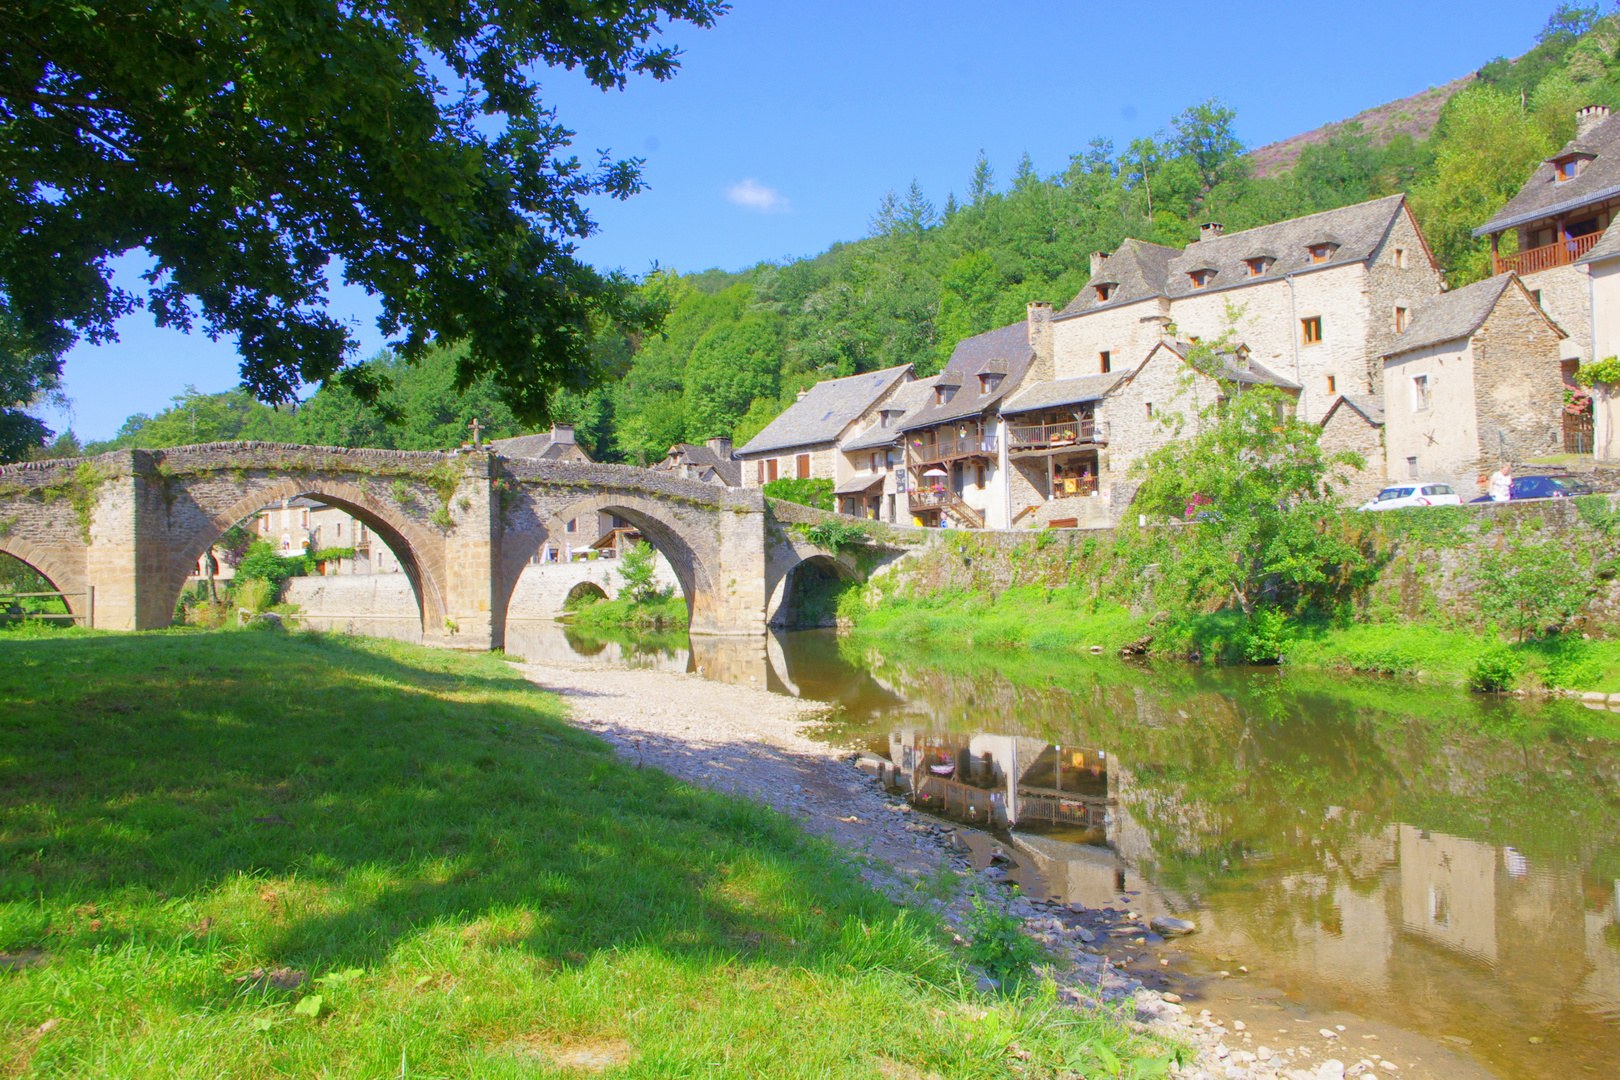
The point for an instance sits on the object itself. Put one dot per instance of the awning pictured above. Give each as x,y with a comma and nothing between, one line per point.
860,485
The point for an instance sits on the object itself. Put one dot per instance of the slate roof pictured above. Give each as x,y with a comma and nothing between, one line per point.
1147,272
1543,196
1004,351
1606,248
859,483
1370,407
705,461
1452,315
539,447
1235,366
824,412
907,399
1049,395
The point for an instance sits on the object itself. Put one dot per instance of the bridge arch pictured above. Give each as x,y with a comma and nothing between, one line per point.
65,575
810,579
418,554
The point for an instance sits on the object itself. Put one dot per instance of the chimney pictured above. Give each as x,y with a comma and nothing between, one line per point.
562,433
1589,118
1209,230
1039,322
1097,260
721,448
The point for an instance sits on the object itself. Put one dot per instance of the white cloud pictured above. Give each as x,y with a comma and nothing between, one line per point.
754,195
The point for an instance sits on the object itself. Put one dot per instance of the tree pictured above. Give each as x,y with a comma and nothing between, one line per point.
1531,586
1203,134
27,375
1255,488
636,567
247,147
983,184
731,365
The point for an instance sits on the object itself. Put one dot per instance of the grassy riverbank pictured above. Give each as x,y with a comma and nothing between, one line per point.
256,854
660,613
1069,619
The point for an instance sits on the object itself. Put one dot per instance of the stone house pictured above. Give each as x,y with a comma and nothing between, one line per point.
802,443
1476,381
302,524
956,470
871,482
1356,422
558,444
1557,218
1313,299
711,463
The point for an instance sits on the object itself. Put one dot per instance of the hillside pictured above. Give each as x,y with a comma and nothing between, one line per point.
1413,116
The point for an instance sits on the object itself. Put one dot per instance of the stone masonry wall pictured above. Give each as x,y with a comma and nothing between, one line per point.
1443,438
1128,333
1517,382
1390,286
1349,430
1566,297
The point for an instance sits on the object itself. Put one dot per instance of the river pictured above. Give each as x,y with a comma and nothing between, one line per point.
1444,863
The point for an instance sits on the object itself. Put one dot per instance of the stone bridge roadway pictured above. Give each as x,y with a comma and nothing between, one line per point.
132,524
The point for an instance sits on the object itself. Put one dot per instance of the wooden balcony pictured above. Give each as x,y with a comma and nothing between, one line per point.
947,501
1055,436
950,448
1558,253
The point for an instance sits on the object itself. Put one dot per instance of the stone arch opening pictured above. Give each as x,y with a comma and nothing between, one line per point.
60,576
416,555
586,592
807,596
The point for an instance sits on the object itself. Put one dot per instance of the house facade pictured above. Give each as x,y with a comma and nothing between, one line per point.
711,463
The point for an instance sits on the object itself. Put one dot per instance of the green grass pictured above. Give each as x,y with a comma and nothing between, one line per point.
1026,616
466,883
664,613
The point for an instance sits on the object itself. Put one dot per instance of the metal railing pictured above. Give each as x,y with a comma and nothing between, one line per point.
951,446
1041,436
1557,253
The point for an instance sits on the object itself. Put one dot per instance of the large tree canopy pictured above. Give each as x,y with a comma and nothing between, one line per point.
247,146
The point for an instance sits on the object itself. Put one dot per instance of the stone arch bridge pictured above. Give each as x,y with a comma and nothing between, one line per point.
132,524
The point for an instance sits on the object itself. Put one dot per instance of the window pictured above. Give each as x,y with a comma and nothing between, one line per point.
1105,361
871,462
803,471
1149,409
1400,320
1332,388
573,525
978,479
340,530
1258,266
770,470
1422,393
1311,329
1201,278
1400,258
1320,253
1567,168
1411,468
888,459
1104,292
988,383
943,394
303,518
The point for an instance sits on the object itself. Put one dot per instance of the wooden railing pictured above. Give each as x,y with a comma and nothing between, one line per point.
1040,436
949,502
1073,486
951,446
1547,256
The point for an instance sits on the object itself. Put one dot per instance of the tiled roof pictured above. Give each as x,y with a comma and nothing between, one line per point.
1370,407
1452,315
907,399
824,412
1049,395
1004,351
1256,375
1356,230
702,458
859,483
1543,195
539,447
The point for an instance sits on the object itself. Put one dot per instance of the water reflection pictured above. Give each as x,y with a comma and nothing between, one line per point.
1439,861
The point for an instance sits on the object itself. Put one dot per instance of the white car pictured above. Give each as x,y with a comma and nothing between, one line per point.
1401,496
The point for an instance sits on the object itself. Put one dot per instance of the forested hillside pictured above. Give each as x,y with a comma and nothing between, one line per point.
736,347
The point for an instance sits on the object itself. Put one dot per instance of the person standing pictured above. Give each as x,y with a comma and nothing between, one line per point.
1501,486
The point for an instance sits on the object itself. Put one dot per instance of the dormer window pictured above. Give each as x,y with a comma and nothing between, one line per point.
988,382
1258,265
943,394
1104,292
1201,278
1569,167
886,417
1321,253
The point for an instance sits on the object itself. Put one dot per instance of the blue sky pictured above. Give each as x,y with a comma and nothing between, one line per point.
790,119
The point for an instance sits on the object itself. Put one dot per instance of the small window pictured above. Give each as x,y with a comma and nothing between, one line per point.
978,479
1567,168
1258,266
943,394
804,467
1400,320
759,472
888,459
1400,258
303,518
1332,385
1311,329
1422,393
770,470
1105,361
988,383
1104,292
1321,253
1149,409
1411,469
871,462
1201,278
573,525
340,530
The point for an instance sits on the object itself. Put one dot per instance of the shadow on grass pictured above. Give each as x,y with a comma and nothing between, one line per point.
321,798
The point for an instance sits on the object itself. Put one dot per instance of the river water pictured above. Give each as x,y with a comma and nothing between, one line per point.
1443,863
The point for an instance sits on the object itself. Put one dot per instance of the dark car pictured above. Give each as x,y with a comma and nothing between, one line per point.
1545,487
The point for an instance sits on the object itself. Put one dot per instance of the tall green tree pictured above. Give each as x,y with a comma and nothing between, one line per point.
250,147
29,374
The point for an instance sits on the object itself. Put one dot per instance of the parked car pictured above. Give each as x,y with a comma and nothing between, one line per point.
1416,493
1545,487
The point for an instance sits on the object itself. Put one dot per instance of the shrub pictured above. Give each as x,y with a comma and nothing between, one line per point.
636,567
807,492
834,535
1530,587
1266,637
1495,671
263,563
256,594
997,943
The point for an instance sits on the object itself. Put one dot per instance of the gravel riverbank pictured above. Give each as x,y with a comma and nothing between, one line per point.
751,743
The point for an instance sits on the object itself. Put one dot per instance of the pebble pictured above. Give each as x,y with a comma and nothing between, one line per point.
1327,1033
1170,927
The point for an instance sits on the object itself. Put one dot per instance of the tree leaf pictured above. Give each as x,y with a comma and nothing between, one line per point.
310,1006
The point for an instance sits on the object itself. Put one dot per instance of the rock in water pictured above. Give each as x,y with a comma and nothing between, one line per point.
1164,924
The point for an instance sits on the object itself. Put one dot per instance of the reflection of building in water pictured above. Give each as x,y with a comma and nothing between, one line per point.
1002,780
1448,890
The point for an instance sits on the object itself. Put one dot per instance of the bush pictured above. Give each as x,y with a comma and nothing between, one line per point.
997,943
1530,587
263,563
816,493
256,594
1495,671
1266,638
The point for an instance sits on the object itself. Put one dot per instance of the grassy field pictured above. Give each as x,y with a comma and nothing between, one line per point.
258,854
